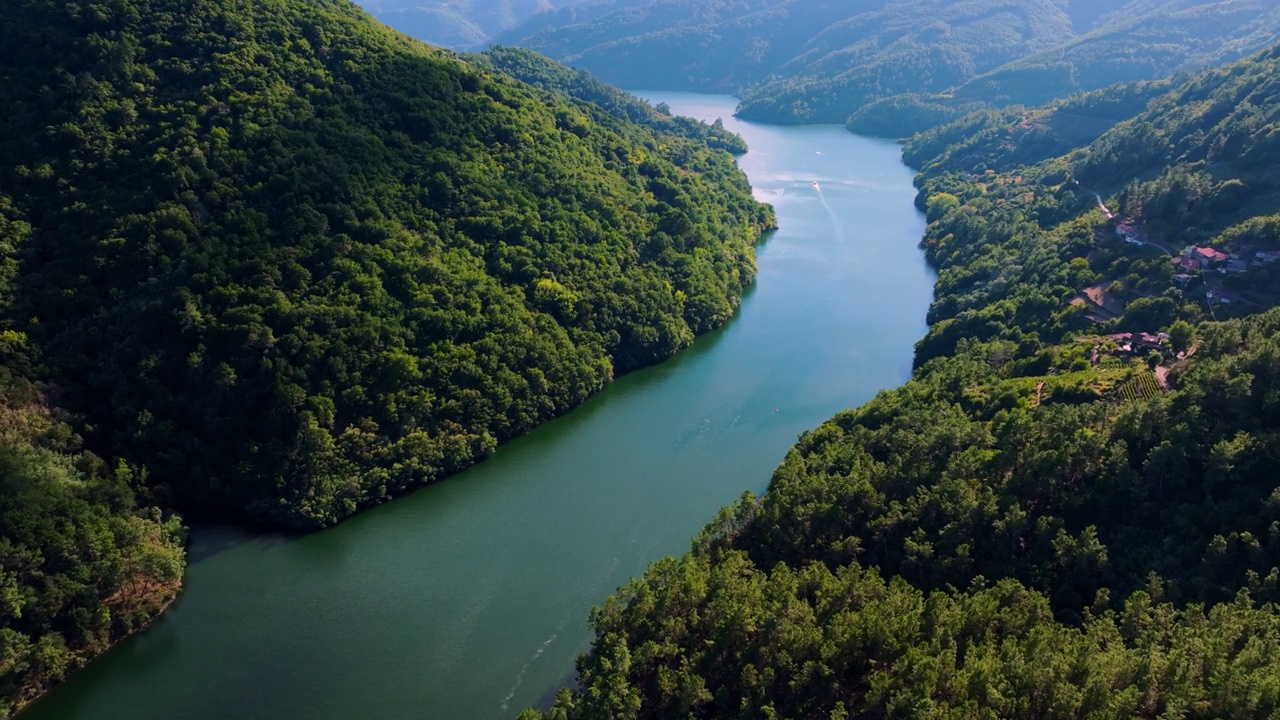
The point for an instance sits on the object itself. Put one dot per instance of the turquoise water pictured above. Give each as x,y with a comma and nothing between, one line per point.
469,599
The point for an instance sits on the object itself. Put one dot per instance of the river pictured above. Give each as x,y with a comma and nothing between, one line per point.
470,598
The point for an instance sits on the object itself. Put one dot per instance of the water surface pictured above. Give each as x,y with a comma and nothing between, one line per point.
469,599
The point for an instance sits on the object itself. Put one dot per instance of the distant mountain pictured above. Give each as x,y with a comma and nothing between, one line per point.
457,24
906,65
918,46
568,14
1152,40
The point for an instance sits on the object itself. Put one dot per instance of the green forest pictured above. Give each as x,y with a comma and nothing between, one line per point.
894,68
84,559
389,281
273,262
1065,513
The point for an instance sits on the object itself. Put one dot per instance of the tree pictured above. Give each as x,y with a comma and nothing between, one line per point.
940,204
1182,335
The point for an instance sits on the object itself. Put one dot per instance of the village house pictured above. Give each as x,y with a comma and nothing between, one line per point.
1149,341
1182,280
1188,264
1131,234
1219,295
1136,342
1123,344
1267,256
1205,255
1235,264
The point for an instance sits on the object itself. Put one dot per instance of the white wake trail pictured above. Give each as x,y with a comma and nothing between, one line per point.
520,676
835,219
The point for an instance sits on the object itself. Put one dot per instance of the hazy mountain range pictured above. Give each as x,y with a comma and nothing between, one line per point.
822,61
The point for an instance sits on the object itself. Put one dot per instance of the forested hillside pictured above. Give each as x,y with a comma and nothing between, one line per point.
542,72
274,262
82,561
772,51
1071,510
458,24
1144,41
296,264
1190,166
895,67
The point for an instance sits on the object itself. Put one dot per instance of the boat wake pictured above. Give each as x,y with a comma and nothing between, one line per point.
693,434
520,675
835,219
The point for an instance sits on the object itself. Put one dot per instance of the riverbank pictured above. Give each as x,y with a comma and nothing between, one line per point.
447,601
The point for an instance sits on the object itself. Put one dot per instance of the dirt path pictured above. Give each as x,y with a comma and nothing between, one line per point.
1162,377
1101,205
1111,216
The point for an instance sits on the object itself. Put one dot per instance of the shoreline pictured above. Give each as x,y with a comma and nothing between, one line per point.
85,662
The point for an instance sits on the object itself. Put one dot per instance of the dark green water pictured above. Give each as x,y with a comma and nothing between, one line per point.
469,599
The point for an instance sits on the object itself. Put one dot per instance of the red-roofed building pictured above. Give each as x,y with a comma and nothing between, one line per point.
1205,254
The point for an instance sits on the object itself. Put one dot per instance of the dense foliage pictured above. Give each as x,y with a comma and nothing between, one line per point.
1014,242
1061,558
1019,136
897,116
893,68
81,563
1138,41
1046,521
278,262
295,263
541,71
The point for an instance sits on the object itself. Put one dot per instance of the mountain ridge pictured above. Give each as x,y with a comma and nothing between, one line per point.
815,61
